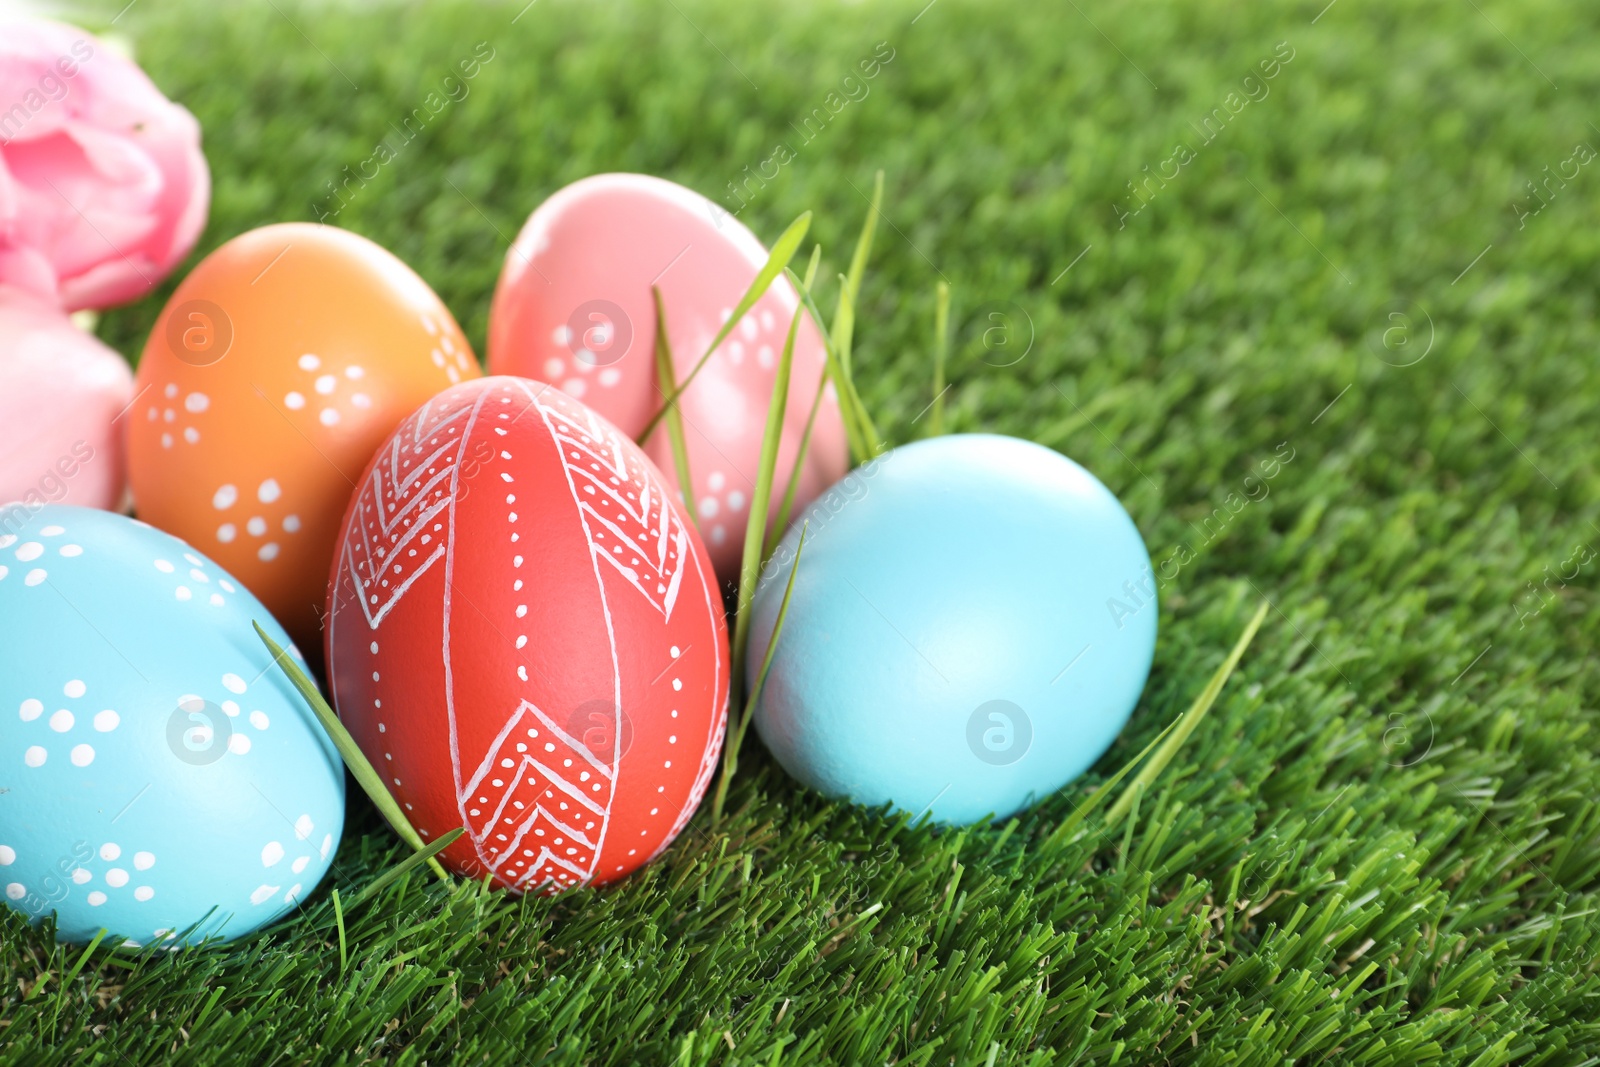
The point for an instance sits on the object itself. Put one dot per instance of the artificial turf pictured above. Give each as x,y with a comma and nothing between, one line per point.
1381,846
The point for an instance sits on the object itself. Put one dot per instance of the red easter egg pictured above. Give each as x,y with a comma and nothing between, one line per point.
573,307
525,637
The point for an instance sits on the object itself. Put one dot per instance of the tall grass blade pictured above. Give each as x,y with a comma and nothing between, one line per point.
65,988
360,769
1186,722
858,427
1098,797
761,499
754,538
667,378
941,350
338,919
844,318
781,521
410,863
777,262
736,731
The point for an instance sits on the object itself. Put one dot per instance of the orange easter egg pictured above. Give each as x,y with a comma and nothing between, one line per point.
272,376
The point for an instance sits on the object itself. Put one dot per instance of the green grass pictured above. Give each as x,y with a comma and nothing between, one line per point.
1382,845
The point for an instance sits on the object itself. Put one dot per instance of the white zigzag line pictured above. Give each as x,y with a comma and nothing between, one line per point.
378,557
670,599
406,497
505,732
659,526
374,621
595,432
643,517
417,500
662,527
545,855
422,431
539,808
381,555
556,820
418,530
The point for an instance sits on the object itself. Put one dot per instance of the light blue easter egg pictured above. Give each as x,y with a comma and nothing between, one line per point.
972,623
160,778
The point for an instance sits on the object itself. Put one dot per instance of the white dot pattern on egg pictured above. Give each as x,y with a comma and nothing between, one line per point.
143,714
181,415
447,355
265,517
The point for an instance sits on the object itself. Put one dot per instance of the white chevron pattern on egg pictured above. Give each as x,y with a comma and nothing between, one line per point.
550,799
644,539
404,510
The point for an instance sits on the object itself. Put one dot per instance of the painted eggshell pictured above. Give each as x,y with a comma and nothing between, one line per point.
277,368
972,623
61,392
573,307
159,776
525,637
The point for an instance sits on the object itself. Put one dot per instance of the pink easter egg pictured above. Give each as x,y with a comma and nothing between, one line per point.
61,394
573,307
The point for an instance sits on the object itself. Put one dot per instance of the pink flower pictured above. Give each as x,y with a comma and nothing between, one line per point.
61,393
103,188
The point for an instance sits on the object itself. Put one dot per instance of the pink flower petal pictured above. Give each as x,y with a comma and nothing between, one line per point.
101,176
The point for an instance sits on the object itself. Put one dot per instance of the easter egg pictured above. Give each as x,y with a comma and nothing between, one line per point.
525,637
272,375
574,307
971,625
159,776
61,394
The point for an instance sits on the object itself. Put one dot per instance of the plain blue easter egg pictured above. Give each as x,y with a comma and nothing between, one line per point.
160,778
972,623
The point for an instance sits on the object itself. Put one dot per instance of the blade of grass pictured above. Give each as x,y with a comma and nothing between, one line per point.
667,378
1186,722
409,864
338,918
777,628
777,262
1127,831
844,318
1098,797
736,732
864,440
760,499
755,536
67,979
811,265
869,432
835,373
941,349
362,770
781,522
